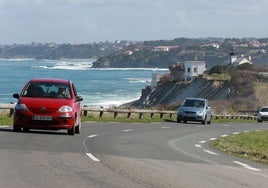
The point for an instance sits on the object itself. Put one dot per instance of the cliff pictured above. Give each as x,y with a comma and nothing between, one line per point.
232,92
172,93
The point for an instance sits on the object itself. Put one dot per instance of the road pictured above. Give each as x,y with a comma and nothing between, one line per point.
127,155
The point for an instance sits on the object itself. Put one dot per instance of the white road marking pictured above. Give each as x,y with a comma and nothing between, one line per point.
127,130
202,142
224,135
91,136
92,157
210,152
246,166
198,145
213,139
165,127
236,132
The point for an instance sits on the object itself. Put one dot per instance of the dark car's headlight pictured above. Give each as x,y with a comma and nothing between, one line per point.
66,109
180,111
200,113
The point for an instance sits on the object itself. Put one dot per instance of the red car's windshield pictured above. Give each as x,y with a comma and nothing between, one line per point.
47,90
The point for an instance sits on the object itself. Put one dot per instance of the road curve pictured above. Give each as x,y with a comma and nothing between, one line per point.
127,155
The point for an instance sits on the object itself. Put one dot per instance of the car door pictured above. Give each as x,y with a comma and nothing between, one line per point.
77,104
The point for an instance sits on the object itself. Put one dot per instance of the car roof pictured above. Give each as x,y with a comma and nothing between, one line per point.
195,99
54,80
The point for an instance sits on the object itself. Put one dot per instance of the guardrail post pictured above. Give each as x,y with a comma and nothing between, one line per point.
11,112
85,113
161,115
140,115
115,114
128,114
101,114
152,114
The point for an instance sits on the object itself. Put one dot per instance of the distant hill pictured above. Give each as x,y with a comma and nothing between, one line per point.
163,53
147,54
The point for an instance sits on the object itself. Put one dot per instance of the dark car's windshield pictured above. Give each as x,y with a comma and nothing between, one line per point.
264,109
194,103
47,90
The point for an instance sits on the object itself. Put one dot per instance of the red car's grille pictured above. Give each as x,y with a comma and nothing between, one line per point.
43,110
32,122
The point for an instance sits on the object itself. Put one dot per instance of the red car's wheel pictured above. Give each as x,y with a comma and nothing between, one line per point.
78,128
16,128
71,131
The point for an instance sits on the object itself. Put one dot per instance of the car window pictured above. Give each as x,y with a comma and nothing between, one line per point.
264,109
47,90
194,103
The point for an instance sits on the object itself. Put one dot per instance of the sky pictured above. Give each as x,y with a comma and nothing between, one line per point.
88,21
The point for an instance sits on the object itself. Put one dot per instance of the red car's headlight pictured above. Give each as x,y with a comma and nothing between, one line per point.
66,109
21,107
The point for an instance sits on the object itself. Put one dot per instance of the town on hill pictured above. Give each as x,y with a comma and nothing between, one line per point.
145,54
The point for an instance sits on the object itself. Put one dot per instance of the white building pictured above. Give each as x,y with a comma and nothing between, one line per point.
235,60
193,68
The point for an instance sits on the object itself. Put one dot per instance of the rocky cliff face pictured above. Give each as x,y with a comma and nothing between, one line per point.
173,93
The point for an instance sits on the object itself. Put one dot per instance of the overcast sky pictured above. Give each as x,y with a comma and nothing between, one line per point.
87,21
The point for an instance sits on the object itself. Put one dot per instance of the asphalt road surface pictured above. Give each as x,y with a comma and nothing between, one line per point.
119,155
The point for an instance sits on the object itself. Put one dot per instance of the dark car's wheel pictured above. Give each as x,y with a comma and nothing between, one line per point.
178,120
209,122
205,121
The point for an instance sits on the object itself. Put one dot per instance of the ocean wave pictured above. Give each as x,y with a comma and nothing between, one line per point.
66,66
131,69
17,59
139,80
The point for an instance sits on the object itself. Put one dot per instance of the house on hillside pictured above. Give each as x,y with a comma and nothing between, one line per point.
164,48
236,61
241,60
193,68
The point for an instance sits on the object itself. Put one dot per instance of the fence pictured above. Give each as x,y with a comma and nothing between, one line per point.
128,112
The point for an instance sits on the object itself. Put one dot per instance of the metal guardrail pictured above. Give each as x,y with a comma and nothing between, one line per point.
101,111
128,112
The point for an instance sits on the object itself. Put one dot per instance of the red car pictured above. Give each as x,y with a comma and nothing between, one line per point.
50,104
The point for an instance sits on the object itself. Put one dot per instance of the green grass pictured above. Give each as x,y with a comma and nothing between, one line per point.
134,118
5,120
252,145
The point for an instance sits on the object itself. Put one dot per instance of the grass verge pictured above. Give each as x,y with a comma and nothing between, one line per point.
252,145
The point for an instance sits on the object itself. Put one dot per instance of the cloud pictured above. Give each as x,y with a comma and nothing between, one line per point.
80,21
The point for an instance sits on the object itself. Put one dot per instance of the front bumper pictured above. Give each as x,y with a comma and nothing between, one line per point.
56,123
190,117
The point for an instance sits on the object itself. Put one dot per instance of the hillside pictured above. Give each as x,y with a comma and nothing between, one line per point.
162,54
242,90
145,54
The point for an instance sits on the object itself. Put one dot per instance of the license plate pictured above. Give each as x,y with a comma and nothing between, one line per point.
42,118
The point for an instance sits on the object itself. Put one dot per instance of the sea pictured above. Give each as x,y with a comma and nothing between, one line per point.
100,87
